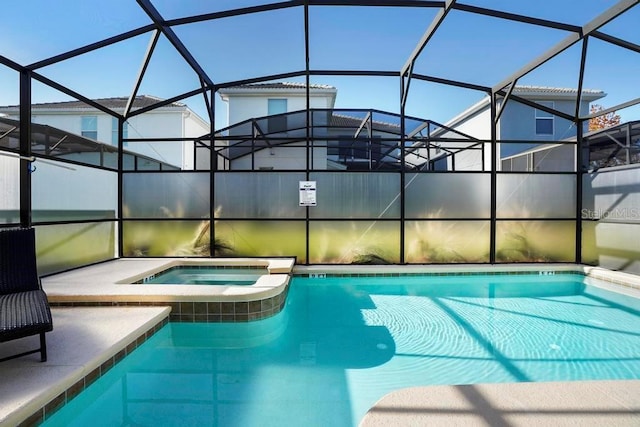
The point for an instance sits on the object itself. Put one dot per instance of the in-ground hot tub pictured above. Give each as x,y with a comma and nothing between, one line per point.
191,271
234,299
206,275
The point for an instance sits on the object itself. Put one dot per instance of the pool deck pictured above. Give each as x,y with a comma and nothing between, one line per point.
84,340
580,403
88,340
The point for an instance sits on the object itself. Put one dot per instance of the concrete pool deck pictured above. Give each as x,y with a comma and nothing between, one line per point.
84,342
86,339
579,403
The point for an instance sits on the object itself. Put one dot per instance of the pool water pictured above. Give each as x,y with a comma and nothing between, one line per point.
343,343
185,275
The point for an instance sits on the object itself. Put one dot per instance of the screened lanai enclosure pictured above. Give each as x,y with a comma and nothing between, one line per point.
336,132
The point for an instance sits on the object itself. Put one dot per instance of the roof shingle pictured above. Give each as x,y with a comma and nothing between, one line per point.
116,103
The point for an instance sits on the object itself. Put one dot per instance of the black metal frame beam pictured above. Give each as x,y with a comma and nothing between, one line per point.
364,122
505,99
593,25
259,79
153,41
616,41
25,148
91,47
73,94
494,182
583,61
11,64
257,131
617,107
537,106
168,32
120,219
234,12
515,17
406,84
206,94
449,82
363,73
431,29
581,166
378,3
418,129
165,102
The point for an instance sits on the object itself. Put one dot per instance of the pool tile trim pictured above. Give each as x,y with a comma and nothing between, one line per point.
272,265
430,274
616,278
144,280
46,411
203,311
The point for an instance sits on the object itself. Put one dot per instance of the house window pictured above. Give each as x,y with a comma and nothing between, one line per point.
114,131
277,108
544,120
89,127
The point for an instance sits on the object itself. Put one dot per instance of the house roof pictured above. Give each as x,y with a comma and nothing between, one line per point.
116,103
277,86
552,92
533,93
344,121
280,89
55,142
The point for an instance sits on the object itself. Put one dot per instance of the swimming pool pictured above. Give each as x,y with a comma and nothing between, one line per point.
206,275
342,343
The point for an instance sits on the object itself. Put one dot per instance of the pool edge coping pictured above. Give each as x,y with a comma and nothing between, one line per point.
626,280
53,398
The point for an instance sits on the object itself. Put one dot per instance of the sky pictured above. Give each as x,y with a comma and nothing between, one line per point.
466,47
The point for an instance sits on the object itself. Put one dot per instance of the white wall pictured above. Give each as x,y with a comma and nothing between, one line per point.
283,158
193,126
477,126
156,124
79,188
163,123
9,183
243,107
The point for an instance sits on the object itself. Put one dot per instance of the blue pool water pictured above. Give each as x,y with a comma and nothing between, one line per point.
343,343
186,275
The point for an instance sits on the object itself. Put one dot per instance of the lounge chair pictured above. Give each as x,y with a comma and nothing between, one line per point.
24,308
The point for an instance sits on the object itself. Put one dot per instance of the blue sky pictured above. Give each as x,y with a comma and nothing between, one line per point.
467,47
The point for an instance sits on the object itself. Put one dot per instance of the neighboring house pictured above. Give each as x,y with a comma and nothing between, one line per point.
523,126
267,122
341,140
267,130
175,120
268,99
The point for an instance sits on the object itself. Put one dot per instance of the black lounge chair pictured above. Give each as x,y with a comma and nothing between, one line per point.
24,308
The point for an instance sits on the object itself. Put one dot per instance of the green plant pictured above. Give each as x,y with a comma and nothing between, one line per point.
369,259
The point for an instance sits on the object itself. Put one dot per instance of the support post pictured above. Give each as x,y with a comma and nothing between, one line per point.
25,148
582,160
494,180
